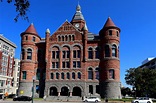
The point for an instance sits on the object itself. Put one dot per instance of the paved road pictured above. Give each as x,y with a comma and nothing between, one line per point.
10,101
41,101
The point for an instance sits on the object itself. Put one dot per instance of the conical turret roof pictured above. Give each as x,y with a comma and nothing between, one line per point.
109,23
31,29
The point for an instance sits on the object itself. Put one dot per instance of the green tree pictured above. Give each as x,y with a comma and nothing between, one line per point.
143,80
21,8
126,91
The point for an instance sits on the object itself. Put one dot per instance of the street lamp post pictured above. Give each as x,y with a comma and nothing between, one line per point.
33,90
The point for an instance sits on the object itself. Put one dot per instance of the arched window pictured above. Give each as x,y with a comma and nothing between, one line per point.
73,75
59,38
57,75
114,51
90,73
29,54
68,76
76,52
65,52
111,74
55,53
69,37
62,75
79,75
73,38
90,53
107,51
23,54
97,53
97,73
51,75
66,38
62,38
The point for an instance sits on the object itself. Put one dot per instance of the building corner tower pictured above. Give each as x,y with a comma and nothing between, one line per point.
29,62
109,61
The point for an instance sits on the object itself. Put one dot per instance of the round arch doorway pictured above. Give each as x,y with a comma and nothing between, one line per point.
53,91
77,91
64,91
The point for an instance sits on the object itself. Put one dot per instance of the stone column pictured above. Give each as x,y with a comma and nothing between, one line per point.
58,93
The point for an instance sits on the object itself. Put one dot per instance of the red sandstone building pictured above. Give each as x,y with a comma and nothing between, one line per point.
72,61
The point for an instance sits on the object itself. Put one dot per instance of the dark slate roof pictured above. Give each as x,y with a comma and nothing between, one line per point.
92,36
78,15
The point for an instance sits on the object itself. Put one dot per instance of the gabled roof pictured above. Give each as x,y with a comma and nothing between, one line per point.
66,23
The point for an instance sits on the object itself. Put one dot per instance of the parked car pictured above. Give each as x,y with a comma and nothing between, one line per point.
22,98
142,100
92,99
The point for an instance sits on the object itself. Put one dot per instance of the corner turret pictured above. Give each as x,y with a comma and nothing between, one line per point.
110,62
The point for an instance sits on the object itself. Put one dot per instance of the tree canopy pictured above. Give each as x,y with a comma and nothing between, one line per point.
142,80
21,8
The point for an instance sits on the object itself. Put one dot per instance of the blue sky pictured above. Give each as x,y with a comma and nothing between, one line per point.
135,18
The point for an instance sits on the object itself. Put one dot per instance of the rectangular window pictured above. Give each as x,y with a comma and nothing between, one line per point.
57,65
53,54
63,54
53,64
63,66
78,64
52,76
67,65
74,64
24,74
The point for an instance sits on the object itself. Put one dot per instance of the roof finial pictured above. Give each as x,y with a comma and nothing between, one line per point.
48,31
78,8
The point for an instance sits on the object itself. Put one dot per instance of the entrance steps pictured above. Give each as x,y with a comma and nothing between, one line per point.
64,98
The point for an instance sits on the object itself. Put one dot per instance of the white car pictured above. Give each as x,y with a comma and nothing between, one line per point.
92,99
142,100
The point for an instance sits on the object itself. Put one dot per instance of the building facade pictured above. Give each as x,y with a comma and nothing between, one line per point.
16,74
7,52
72,61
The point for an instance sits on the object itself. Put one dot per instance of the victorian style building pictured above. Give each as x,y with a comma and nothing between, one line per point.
72,61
